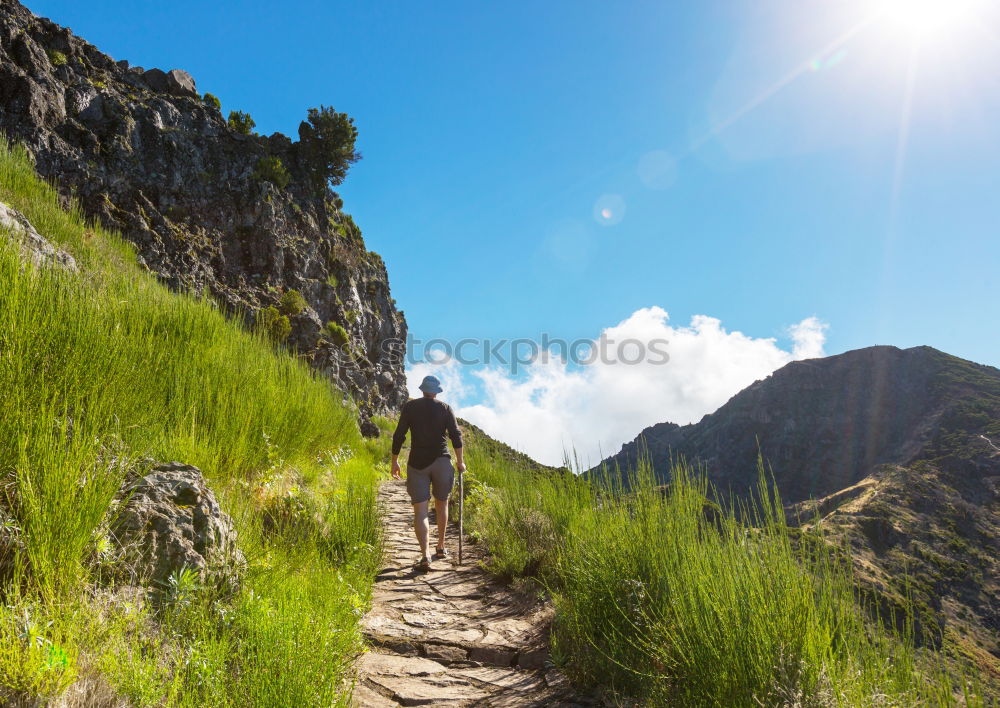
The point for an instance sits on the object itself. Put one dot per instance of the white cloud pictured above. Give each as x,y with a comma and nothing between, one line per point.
595,408
449,374
808,336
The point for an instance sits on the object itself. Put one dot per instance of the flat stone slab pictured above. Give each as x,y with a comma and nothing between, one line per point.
426,604
388,627
427,618
445,652
409,691
447,635
505,678
365,697
458,589
394,665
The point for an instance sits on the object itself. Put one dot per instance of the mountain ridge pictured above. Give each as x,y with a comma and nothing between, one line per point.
901,405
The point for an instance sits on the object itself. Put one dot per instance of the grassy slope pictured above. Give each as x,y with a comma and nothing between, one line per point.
106,367
663,597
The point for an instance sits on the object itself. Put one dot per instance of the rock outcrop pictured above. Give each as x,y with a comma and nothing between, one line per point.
33,247
171,520
207,206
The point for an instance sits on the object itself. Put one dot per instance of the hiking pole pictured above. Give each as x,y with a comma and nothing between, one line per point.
461,511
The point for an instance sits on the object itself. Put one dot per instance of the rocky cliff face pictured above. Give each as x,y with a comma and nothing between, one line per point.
203,203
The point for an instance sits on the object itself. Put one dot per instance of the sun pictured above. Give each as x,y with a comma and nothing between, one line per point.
922,19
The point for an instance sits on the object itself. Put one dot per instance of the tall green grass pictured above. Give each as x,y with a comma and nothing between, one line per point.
666,596
105,367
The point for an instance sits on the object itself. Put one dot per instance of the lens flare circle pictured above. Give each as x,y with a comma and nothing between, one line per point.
609,209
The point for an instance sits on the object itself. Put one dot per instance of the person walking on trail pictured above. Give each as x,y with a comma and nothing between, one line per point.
430,423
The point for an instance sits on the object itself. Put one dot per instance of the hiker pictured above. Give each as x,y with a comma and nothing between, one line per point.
428,467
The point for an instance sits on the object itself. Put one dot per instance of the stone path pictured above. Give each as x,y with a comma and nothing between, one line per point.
453,636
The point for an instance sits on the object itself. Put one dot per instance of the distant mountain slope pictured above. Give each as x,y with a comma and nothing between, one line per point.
210,205
929,531
824,424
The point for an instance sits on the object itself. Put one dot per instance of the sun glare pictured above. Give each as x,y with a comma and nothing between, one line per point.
926,18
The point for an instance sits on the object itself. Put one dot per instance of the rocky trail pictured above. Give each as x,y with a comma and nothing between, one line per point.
453,636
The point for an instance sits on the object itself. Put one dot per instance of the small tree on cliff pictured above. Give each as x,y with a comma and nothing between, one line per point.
241,122
326,139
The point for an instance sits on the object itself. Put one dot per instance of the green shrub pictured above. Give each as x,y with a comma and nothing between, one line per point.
274,324
351,316
346,227
292,303
212,101
269,168
337,333
326,143
332,280
56,57
241,122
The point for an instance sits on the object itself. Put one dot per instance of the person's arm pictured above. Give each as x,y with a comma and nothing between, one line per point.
398,438
456,440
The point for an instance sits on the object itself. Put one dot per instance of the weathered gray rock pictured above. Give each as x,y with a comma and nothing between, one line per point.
156,79
145,157
92,111
181,83
33,246
171,520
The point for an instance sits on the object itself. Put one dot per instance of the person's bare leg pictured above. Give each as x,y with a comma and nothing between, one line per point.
441,511
421,527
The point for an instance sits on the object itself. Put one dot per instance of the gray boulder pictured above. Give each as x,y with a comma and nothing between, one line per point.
156,79
181,83
33,246
93,111
171,520
176,82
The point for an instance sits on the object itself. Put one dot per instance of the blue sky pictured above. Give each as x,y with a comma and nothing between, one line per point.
781,179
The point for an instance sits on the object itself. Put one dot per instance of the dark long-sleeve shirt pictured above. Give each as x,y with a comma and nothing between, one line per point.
430,423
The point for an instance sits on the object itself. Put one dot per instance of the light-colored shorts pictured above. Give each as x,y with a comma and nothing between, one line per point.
439,474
